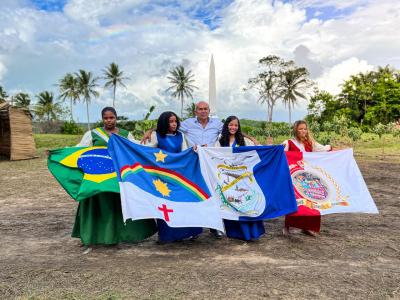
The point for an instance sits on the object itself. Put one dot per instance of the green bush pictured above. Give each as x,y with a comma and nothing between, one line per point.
379,129
70,127
354,133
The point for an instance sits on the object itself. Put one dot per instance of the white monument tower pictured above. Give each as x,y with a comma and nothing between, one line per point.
212,90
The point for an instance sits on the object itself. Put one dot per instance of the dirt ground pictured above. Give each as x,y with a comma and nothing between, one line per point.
356,256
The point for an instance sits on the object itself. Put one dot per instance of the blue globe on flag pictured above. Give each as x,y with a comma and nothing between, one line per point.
96,161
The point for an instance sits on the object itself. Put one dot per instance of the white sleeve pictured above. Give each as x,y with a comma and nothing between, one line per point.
221,126
132,139
86,140
217,143
286,144
248,142
321,148
184,143
153,140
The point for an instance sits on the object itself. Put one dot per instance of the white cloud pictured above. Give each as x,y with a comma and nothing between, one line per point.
148,38
3,70
339,4
332,79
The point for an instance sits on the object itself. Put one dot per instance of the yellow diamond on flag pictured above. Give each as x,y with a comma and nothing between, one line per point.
160,156
162,187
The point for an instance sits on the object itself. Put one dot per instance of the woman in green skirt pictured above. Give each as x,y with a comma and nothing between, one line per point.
99,218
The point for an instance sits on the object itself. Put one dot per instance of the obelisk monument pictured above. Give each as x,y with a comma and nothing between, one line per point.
212,90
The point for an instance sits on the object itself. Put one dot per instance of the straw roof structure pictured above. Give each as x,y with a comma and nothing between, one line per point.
16,138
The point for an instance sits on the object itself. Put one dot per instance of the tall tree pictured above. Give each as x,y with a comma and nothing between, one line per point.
46,107
294,83
114,77
373,97
87,85
267,83
68,87
22,100
3,95
182,84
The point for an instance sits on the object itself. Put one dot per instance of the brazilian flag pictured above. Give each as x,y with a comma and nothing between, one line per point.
83,171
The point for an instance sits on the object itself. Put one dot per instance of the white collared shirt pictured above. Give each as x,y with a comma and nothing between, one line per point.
197,135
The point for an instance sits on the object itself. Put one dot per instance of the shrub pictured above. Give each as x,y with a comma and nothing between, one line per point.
379,129
354,133
70,127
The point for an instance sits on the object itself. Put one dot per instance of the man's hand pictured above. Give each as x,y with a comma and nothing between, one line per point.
146,136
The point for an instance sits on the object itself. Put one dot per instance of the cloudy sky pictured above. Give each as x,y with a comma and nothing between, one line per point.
41,40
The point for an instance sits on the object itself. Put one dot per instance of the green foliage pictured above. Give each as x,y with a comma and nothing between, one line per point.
151,109
314,127
366,99
69,90
182,84
114,77
190,110
46,108
380,129
279,80
87,85
354,133
70,127
22,100
122,118
264,129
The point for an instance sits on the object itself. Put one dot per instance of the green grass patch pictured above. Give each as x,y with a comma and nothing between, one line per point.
53,141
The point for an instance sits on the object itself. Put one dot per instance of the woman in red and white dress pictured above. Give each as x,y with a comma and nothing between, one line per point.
302,141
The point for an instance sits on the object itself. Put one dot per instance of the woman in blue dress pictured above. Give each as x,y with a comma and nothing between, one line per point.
168,138
231,136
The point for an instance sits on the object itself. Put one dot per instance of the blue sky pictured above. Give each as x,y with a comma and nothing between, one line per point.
49,5
43,40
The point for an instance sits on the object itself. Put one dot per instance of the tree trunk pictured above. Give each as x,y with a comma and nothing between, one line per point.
269,119
114,95
290,115
182,108
87,114
72,116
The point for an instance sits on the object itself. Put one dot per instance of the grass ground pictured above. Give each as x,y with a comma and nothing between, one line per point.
356,256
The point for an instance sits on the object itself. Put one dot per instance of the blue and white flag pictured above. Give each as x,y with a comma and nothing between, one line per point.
252,183
158,184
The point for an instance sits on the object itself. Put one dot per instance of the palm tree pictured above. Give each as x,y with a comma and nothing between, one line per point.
294,82
181,84
114,77
22,100
68,86
46,107
3,95
190,110
151,109
87,84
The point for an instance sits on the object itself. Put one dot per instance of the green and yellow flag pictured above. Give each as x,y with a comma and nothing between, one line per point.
83,171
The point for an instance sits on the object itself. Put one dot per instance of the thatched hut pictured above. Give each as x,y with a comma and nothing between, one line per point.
16,138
